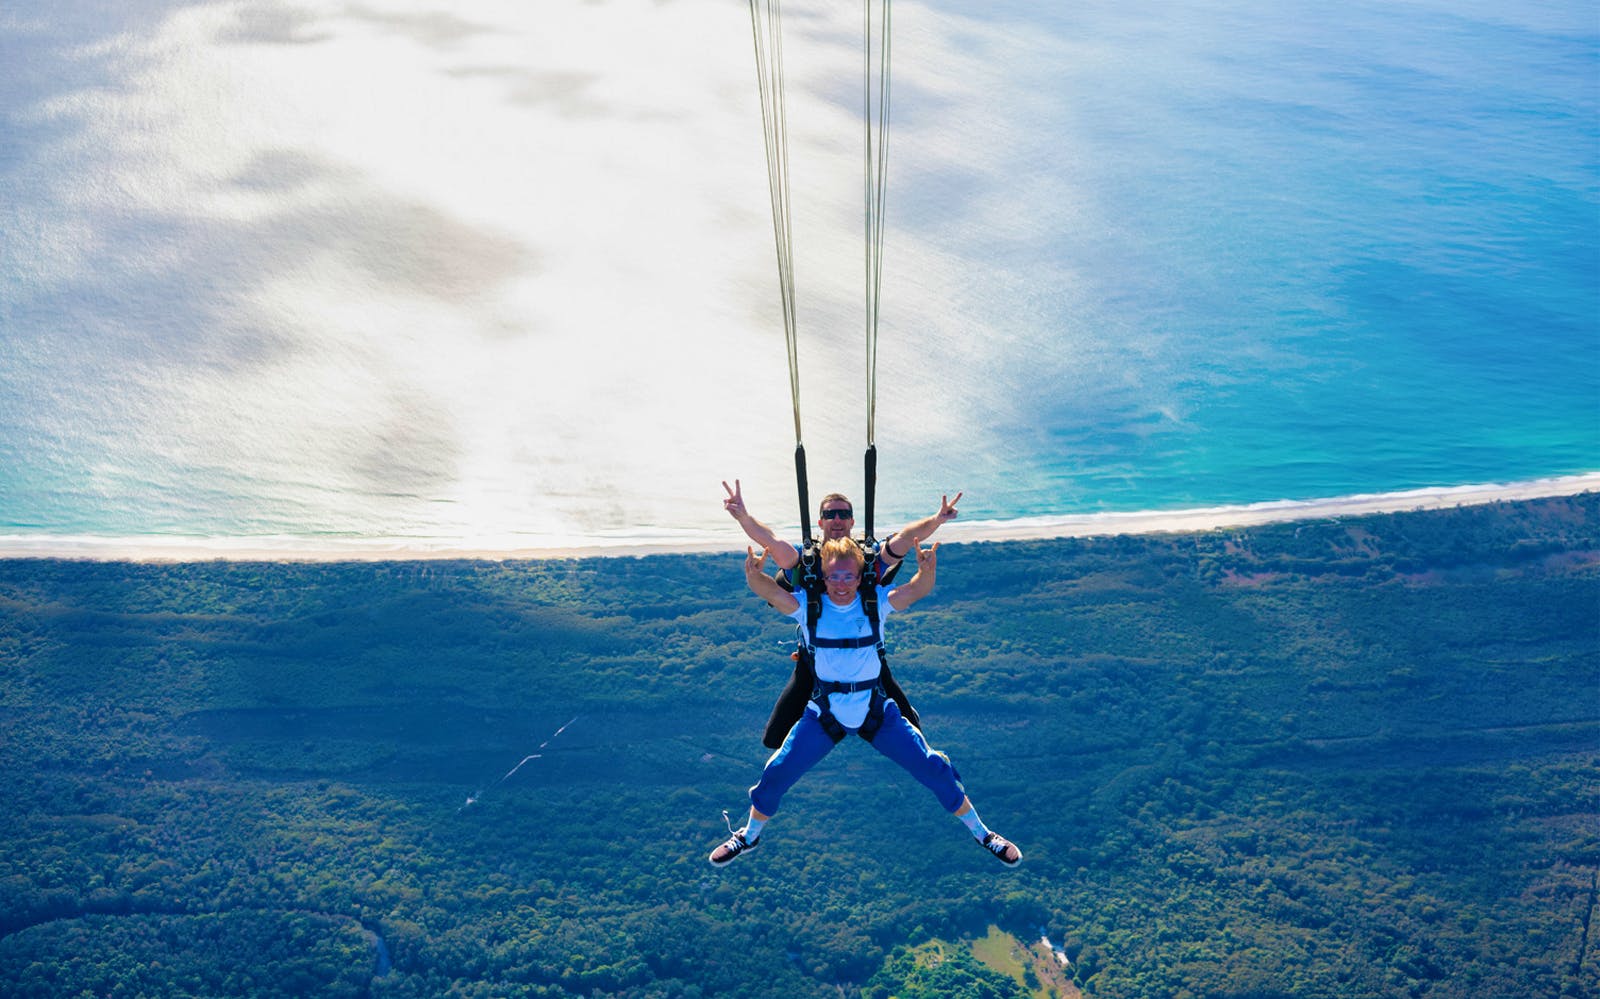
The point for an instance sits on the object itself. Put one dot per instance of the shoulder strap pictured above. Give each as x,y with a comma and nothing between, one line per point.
869,574
813,615
808,573
869,592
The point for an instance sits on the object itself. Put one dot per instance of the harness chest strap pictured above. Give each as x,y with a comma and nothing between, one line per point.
867,642
842,686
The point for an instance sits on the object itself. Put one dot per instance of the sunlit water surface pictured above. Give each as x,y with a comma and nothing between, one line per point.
504,275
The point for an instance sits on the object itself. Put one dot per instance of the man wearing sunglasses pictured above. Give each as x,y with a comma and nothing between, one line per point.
836,520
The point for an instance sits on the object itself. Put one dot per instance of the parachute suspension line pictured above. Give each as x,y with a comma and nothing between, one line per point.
876,169
766,28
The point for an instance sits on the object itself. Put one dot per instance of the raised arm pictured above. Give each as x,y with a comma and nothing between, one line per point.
765,538
902,542
902,597
764,586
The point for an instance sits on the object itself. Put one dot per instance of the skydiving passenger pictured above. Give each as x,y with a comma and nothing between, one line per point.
836,519
848,697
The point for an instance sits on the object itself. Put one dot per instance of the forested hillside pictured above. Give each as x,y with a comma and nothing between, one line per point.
1326,759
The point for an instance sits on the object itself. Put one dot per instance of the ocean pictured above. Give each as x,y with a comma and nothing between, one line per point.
503,277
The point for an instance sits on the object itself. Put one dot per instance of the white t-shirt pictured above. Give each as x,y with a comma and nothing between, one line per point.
849,621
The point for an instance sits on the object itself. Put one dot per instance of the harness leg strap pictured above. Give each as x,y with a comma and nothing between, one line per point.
825,718
874,720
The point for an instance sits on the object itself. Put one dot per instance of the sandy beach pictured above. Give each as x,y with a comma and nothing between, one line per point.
287,549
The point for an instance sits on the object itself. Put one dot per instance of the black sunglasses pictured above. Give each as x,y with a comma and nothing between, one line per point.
837,514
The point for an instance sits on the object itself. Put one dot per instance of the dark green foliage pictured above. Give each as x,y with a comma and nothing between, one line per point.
1338,758
236,953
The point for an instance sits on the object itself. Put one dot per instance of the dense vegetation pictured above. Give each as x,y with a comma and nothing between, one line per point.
1339,758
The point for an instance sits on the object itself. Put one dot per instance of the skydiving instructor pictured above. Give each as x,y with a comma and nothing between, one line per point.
836,519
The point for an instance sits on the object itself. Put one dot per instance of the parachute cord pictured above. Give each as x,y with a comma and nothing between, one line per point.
876,169
767,33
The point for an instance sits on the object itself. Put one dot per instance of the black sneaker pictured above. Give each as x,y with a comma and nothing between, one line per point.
735,845
1003,849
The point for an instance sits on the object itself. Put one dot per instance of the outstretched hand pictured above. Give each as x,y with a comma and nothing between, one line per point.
734,503
755,562
947,507
927,558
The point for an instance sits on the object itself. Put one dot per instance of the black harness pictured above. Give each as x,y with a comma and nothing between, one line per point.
810,579
802,684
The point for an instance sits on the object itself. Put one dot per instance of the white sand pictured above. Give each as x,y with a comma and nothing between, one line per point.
286,549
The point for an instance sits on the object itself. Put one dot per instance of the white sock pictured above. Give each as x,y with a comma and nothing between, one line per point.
979,830
752,829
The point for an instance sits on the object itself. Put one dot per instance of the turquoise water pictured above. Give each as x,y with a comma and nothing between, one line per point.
1354,248
1220,253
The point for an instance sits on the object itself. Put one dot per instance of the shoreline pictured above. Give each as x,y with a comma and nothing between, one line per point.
299,549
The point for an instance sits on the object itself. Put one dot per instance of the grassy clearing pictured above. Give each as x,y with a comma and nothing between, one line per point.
1033,966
